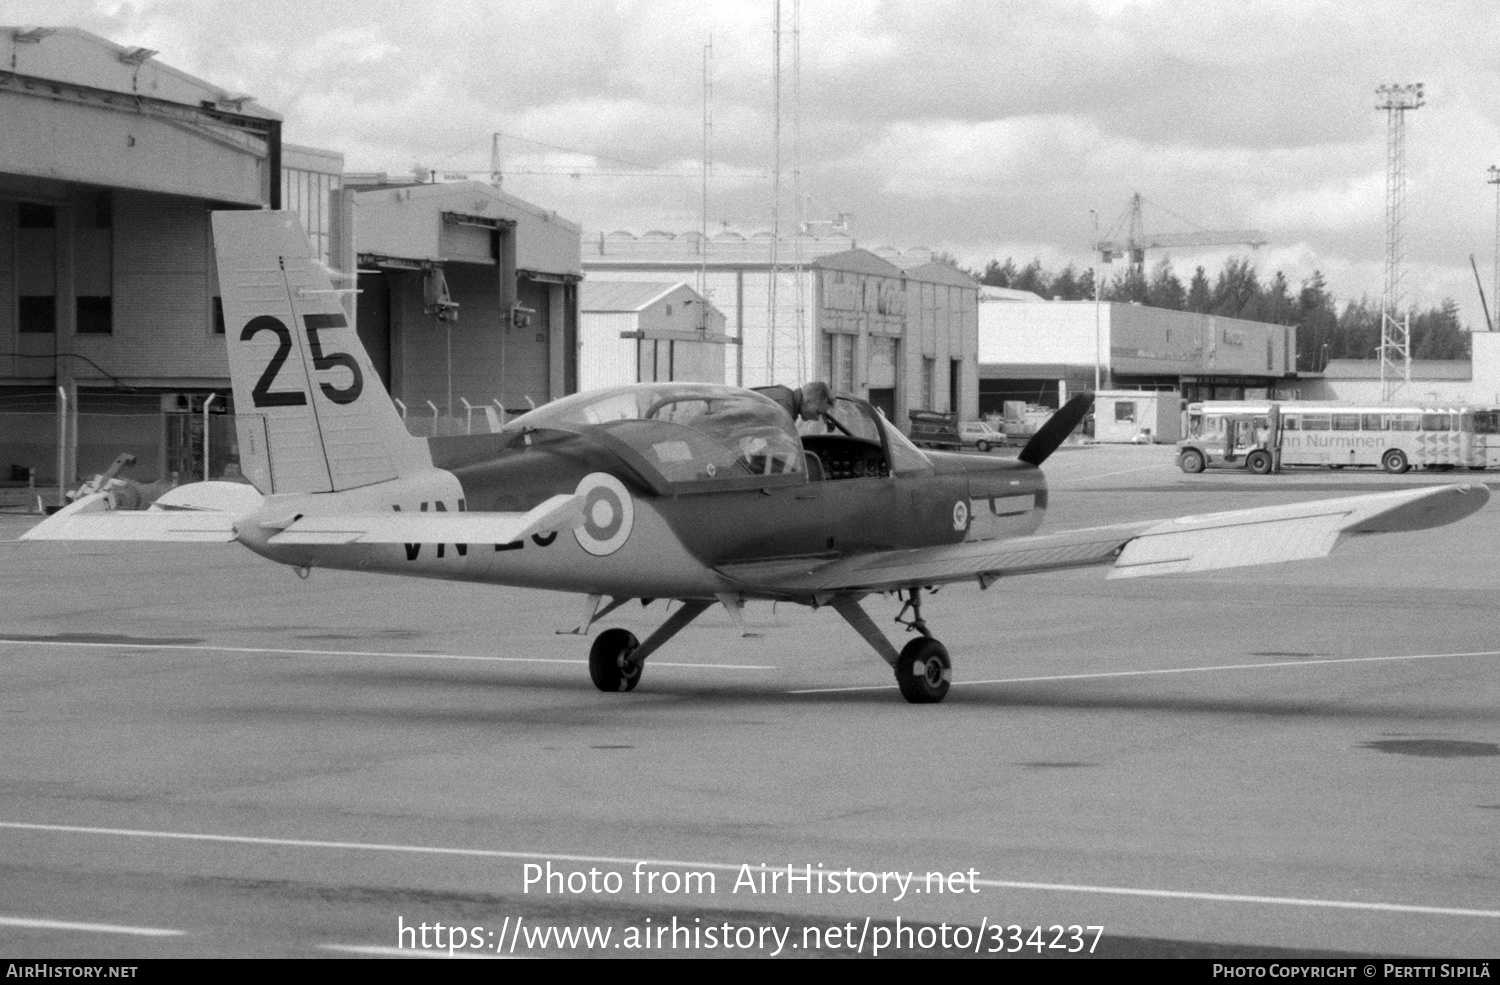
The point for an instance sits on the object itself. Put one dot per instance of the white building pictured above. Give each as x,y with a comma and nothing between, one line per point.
647,332
1433,381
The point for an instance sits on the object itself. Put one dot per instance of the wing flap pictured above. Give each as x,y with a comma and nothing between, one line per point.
562,512
881,570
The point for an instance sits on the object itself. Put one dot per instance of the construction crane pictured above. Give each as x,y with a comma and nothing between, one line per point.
1137,242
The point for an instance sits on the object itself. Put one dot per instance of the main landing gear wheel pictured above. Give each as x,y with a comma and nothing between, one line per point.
1191,462
924,671
1258,462
1394,462
610,665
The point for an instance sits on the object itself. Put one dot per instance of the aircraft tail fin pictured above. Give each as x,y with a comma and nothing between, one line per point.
1056,430
311,412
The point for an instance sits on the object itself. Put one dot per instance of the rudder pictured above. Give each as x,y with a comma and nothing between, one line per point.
311,411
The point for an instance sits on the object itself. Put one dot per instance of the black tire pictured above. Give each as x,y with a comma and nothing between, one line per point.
610,665
982,445
1394,461
924,671
1191,461
1259,462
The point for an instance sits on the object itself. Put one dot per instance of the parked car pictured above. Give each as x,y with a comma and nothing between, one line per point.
980,435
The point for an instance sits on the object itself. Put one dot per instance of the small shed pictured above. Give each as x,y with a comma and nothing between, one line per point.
1138,416
648,332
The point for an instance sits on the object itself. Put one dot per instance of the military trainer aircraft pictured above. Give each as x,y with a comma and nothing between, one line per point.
703,494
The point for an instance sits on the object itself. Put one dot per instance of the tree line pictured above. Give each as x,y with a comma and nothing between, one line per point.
1324,329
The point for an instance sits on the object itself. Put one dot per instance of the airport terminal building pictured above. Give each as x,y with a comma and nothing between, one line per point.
1039,351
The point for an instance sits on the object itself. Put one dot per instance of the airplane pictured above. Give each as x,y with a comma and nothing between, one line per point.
704,494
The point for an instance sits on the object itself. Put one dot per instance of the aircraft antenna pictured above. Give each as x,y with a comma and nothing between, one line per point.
1395,324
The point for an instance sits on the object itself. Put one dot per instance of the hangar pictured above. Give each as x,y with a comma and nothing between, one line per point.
110,327
468,297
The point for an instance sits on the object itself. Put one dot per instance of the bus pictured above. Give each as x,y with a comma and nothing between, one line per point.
1262,436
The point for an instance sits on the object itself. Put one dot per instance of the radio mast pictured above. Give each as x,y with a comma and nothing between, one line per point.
786,361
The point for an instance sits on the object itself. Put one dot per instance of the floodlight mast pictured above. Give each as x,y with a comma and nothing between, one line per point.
1395,323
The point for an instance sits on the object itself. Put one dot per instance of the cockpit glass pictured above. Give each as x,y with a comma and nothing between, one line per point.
905,456
687,432
859,420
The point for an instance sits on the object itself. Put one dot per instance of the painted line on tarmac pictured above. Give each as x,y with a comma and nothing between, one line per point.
495,853
357,653
36,923
1168,670
1106,475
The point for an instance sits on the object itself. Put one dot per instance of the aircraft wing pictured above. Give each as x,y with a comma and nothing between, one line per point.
562,512
1266,535
90,518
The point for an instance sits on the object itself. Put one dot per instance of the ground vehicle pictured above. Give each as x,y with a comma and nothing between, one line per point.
981,435
1263,436
934,429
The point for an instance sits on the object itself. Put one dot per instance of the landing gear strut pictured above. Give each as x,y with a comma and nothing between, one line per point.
923,668
616,658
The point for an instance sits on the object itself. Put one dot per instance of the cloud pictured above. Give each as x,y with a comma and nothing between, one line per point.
977,126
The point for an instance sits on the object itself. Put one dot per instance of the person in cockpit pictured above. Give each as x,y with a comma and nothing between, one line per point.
809,403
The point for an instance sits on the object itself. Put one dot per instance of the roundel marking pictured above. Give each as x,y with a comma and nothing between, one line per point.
960,515
608,514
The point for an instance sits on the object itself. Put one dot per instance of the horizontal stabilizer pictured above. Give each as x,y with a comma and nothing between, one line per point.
562,512
1293,532
89,518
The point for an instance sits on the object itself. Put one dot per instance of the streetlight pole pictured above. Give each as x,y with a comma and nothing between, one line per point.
1098,336
1494,179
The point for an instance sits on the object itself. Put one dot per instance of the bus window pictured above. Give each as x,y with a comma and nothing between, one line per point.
1316,422
1346,422
1437,422
1291,422
1372,422
1466,423
1403,422
1487,422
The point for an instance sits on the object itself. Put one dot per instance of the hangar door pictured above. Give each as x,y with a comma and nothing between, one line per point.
527,354
882,370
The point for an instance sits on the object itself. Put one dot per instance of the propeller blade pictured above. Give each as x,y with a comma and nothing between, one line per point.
1056,430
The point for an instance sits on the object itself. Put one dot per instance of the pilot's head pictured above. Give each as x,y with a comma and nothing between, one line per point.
817,400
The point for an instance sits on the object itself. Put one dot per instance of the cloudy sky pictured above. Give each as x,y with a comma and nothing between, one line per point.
984,128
